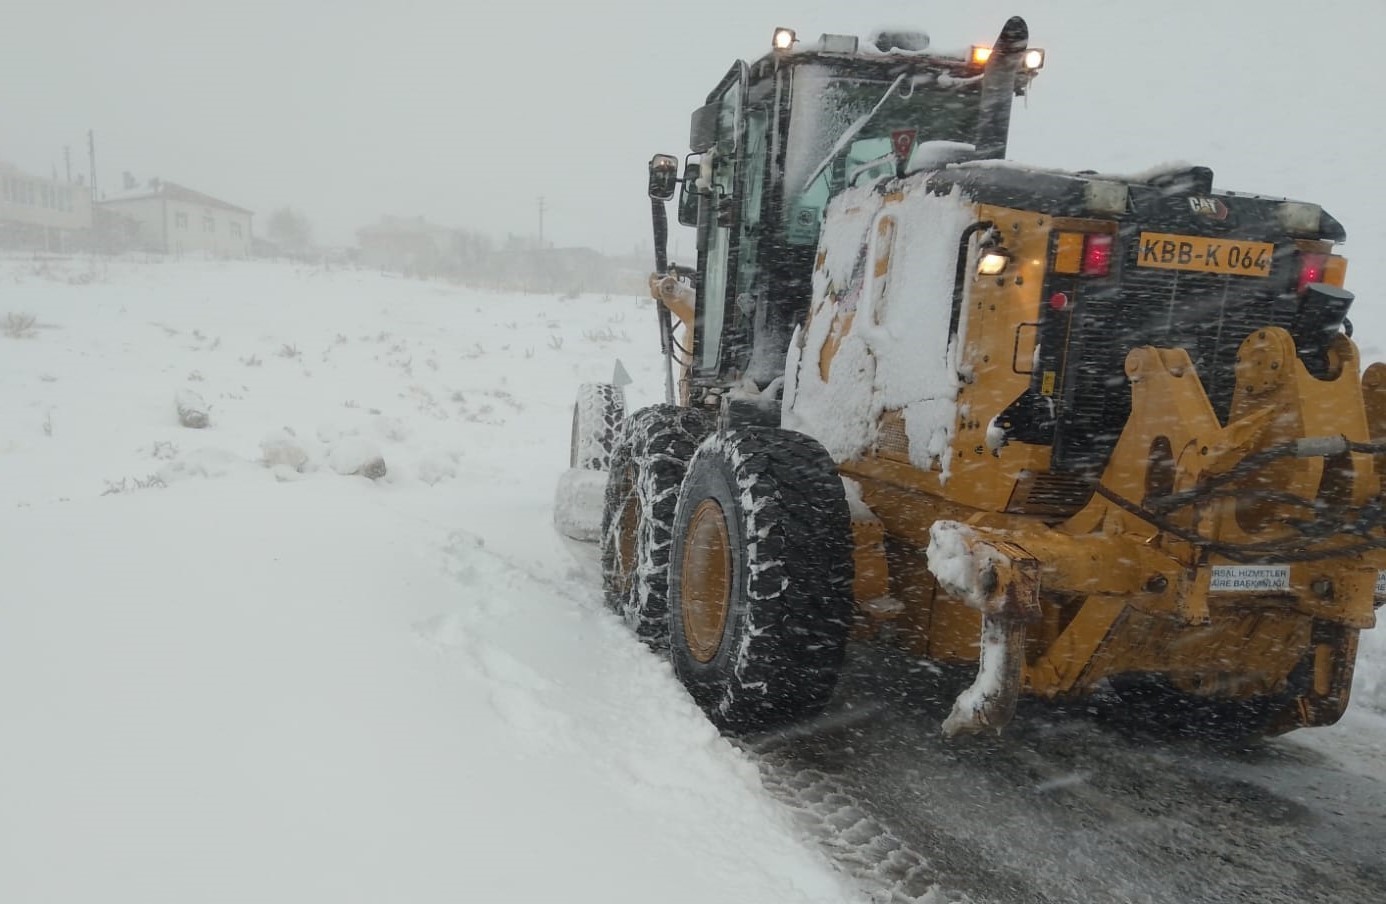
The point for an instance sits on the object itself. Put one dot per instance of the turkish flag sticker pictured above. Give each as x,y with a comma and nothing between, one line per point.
902,142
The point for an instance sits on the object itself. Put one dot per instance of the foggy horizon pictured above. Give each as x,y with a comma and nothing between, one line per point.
467,116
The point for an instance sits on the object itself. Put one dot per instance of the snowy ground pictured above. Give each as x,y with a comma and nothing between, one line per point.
232,670
228,681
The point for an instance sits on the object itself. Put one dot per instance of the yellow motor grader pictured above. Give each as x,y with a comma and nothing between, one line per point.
1083,431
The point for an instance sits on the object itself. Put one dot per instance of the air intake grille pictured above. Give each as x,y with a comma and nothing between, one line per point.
1050,494
1208,315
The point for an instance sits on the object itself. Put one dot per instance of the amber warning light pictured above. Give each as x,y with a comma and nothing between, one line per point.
1033,59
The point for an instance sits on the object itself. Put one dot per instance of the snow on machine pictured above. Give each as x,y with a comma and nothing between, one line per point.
1082,431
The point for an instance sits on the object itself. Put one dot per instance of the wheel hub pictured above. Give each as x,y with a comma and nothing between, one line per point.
706,578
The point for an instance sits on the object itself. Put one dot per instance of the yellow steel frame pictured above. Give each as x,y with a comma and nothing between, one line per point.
1110,589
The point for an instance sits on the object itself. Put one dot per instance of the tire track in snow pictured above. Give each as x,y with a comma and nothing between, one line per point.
1065,808
886,868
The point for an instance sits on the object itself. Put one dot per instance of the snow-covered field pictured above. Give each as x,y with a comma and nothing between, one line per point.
232,669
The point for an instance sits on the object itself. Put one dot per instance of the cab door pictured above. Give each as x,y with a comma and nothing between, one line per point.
718,218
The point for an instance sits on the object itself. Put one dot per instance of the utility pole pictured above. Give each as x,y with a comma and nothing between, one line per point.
541,222
91,155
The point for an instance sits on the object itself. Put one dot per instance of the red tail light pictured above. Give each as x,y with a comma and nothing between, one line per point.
1312,268
1097,254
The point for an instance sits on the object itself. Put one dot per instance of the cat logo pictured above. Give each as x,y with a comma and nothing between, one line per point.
1208,207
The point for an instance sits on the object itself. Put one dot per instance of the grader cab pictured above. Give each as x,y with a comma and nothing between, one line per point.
1086,432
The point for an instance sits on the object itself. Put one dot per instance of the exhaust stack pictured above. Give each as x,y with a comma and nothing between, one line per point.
998,88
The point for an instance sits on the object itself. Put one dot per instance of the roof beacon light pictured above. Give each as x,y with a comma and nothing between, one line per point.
887,40
1034,59
980,54
784,39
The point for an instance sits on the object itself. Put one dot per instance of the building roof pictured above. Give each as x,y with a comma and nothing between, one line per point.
12,170
172,191
389,225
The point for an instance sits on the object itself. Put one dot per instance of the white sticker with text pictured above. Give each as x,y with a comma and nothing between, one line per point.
1251,579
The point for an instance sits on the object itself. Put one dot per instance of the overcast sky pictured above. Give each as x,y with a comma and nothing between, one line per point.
467,113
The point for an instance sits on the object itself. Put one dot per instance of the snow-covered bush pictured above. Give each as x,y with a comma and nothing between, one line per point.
20,326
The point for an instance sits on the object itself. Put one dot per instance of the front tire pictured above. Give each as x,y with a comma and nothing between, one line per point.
597,417
760,580
577,500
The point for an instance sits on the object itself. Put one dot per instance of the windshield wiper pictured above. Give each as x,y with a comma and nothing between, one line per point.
852,131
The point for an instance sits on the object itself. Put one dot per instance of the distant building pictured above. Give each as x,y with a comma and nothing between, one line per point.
177,220
415,247
42,214
409,245
567,270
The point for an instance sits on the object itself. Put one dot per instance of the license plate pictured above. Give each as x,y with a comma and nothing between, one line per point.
1205,255
1250,579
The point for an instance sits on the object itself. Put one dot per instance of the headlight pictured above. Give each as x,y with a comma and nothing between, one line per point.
783,39
1034,59
992,262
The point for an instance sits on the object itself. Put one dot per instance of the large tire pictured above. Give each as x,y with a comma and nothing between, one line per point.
647,468
760,580
597,417
578,497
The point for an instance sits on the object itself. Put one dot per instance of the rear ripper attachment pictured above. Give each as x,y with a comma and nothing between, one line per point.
1224,539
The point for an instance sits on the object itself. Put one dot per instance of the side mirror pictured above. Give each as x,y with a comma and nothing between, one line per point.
664,175
688,192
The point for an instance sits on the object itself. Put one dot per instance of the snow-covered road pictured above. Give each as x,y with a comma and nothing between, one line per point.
1069,805
231,670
